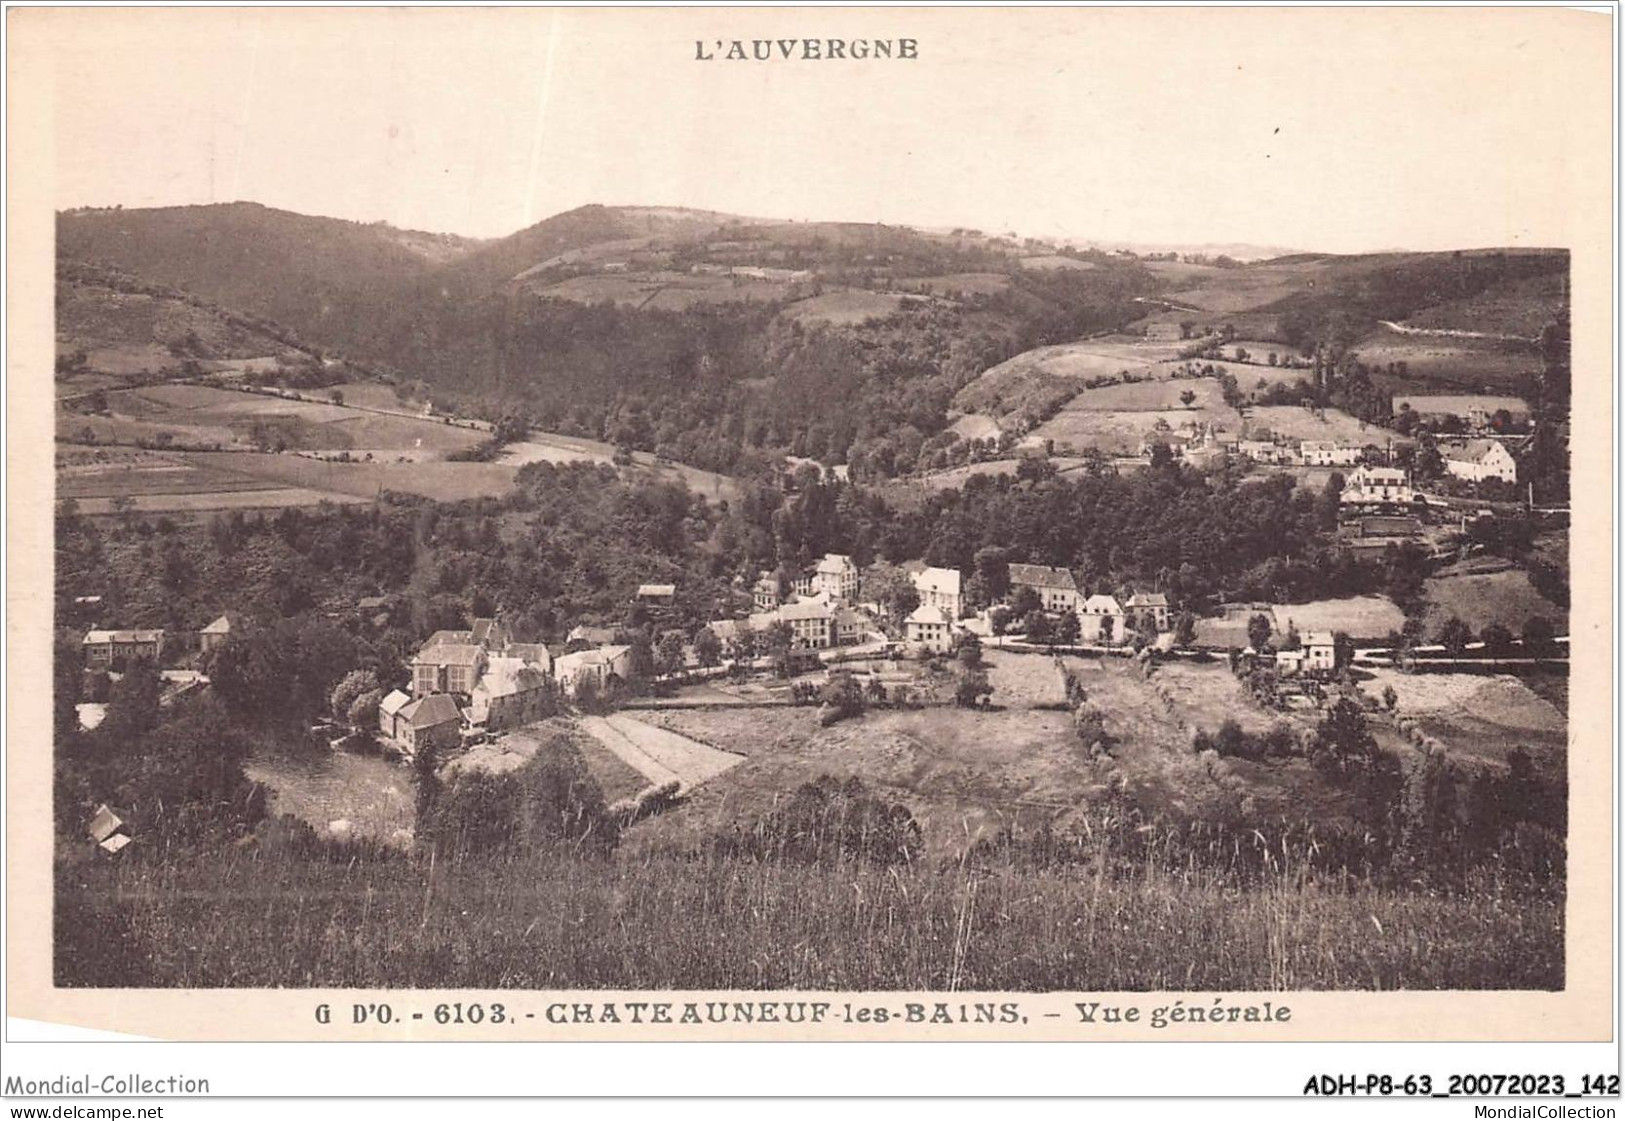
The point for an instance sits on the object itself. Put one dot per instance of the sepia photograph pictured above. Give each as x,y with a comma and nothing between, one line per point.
776,503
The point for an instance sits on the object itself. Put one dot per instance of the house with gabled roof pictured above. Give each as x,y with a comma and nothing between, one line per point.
836,576
940,587
512,691
602,666
1152,606
389,711
103,648
215,634
1477,460
812,623
1319,651
1056,588
434,721
930,628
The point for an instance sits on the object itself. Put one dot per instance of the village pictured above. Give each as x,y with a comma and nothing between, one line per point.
838,637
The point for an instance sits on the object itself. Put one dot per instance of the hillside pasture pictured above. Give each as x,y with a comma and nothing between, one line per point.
1476,717
1506,597
1293,422
957,284
1246,289
1151,726
976,426
963,774
1055,261
440,481
1444,362
1367,617
1033,380
1121,431
845,307
1512,307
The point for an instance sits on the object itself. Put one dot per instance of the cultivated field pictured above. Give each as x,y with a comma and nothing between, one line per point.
443,482
1235,290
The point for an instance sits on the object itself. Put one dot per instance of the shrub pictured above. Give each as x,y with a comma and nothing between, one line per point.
828,821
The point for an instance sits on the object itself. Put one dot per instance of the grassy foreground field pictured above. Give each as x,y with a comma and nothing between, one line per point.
257,919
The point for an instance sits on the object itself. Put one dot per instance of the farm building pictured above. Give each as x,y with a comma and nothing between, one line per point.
1477,460
1056,589
512,691
102,648
1476,411
591,635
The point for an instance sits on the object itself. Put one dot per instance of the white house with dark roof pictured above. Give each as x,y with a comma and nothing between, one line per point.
1056,588
940,587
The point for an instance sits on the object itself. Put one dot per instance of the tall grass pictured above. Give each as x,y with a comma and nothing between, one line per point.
560,919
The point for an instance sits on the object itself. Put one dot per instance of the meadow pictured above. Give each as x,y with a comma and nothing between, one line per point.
253,917
1482,599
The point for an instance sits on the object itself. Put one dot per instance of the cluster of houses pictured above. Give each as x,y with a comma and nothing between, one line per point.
104,649
819,605
468,683
1103,619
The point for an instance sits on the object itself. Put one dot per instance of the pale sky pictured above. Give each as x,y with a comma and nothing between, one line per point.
1328,129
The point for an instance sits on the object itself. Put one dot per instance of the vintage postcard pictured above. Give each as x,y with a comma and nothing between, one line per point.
811,523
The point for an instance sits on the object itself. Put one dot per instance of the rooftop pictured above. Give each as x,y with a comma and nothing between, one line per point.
1042,576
